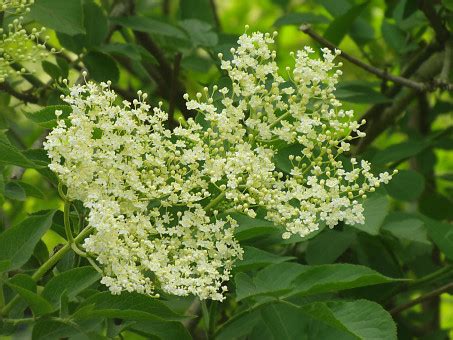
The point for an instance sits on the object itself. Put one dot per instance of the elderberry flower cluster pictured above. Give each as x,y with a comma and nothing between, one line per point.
160,199
17,46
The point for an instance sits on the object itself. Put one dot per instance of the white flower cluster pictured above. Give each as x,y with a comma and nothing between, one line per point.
15,6
155,195
143,189
17,46
261,112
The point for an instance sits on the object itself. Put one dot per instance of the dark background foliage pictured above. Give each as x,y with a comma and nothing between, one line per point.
389,278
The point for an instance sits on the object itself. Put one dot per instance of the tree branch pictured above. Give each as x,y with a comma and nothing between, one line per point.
442,33
422,298
25,97
413,84
380,117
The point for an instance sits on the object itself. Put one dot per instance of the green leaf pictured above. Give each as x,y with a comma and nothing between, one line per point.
95,23
399,152
300,18
4,265
165,330
101,67
249,228
125,306
342,24
62,16
197,9
393,36
56,329
442,235
51,69
71,283
46,116
151,26
288,279
361,318
130,51
9,154
255,258
328,246
200,33
38,304
376,208
17,243
19,190
406,185
359,92
14,191
406,228
448,4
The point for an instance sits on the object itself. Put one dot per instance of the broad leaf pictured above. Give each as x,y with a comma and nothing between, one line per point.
125,306
361,318
46,117
152,26
287,279
70,282
341,25
62,16
255,258
101,67
407,185
37,303
17,243
376,208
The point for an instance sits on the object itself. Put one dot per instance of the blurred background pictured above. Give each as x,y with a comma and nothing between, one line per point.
170,47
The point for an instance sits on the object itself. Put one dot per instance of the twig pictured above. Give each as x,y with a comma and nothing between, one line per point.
421,299
374,70
25,97
435,20
215,14
174,80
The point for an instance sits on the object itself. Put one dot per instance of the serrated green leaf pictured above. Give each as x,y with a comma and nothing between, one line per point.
37,303
288,279
359,92
14,191
328,246
95,23
62,16
199,32
51,69
249,228
406,228
165,330
101,67
46,117
342,24
255,258
17,243
407,185
9,154
348,316
71,282
376,208
442,235
151,26
399,152
125,306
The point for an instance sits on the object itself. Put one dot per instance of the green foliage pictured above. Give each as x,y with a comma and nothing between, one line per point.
349,282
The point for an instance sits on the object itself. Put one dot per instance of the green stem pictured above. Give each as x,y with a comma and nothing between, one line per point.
67,221
206,318
215,201
46,266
